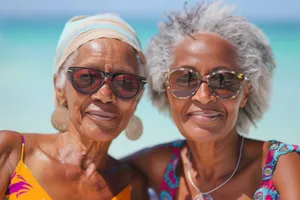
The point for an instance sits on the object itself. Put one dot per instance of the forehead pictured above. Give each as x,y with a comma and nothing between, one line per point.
107,52
108,46
205,50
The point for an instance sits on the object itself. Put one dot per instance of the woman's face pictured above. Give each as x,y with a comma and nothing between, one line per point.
203,117
101,116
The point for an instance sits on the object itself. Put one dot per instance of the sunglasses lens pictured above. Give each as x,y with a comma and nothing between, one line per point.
183,83
126,86
86,80
225,85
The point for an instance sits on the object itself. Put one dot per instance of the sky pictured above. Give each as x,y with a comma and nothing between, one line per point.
253,9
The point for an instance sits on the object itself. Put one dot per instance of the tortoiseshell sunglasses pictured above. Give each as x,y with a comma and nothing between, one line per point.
184,83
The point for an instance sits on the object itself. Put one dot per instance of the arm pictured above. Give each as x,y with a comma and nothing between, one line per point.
287,176
10,148
152,163
139,188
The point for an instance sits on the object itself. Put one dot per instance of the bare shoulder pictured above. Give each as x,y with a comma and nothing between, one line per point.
285,171
285,150
10,142
40,138
39,142
8,137
10,151
286,176
152,162
285,154
259,149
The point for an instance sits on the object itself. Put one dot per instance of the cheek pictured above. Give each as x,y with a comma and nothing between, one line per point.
126,108
232,108
176,106
76,103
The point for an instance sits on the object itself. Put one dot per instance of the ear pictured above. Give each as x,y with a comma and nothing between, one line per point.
59,92
247,92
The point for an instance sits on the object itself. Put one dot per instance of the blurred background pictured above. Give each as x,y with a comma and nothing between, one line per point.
29,32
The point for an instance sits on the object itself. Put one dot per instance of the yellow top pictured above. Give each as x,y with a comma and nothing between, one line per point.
23,186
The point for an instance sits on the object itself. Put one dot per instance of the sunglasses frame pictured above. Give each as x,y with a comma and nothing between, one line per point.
111,75
203,79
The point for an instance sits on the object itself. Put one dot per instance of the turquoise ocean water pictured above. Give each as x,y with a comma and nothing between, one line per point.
27,50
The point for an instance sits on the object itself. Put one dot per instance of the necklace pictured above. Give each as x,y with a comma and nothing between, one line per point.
205,195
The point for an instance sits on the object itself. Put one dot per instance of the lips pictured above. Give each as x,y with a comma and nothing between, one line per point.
204,115
100,115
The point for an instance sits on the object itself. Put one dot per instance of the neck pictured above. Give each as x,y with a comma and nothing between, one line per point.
77,150
217,159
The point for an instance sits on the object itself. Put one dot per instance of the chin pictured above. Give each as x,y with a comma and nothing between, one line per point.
104,131
200,135
100,135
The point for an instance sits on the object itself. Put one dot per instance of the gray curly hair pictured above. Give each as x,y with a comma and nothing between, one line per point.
253,50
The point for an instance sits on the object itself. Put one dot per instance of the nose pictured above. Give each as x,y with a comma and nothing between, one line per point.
203,94
105,93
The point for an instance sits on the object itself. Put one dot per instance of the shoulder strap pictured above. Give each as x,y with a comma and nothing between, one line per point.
276,150
23,148
170,182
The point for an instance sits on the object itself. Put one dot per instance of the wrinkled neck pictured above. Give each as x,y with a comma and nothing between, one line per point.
215,159
82,152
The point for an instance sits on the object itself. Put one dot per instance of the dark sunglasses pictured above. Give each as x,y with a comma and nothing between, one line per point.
184,83
88,81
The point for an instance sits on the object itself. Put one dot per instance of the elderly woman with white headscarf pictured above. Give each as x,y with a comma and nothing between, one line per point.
212,71
99,79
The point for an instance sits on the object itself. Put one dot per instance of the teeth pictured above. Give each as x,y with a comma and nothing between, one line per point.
205,114
101,117
208,115
102,114
211,117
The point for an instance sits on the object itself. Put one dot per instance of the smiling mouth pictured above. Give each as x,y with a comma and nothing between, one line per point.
204,117
101,116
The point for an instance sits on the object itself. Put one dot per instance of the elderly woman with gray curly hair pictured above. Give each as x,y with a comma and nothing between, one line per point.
99,79
212,71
